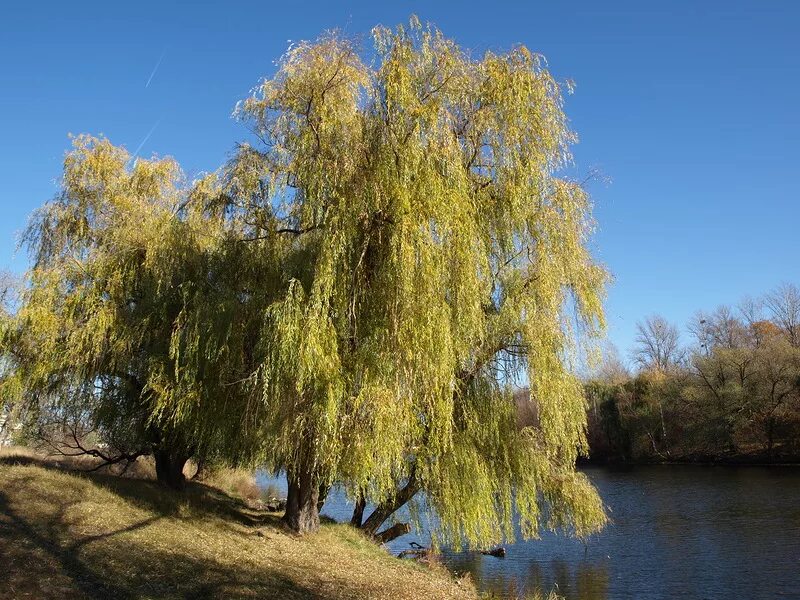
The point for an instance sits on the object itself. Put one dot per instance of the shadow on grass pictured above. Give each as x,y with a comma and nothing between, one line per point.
18,561
44,555
196,499
35,552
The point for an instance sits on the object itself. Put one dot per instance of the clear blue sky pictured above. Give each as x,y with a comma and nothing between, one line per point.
691,108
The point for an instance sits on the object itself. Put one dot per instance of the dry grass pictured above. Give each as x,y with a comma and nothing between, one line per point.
78,535
236,482
142,468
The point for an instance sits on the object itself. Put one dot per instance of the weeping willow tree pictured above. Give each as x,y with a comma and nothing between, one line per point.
130,325
7,287
431,257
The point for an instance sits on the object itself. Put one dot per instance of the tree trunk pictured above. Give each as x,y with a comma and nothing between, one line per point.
169,467
358,511
389,507
302,502
393,532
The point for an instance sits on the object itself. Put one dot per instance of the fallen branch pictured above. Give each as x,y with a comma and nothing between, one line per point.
417,552
414,553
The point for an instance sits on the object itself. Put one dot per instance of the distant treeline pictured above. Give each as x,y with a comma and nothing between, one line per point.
731,395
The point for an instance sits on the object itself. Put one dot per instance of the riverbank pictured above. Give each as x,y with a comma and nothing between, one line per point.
741,460
80,535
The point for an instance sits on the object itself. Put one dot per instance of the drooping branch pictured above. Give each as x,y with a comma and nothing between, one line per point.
77,448
296,231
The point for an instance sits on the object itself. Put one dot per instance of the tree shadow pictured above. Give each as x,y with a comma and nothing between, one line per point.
196,500
44,556
17,535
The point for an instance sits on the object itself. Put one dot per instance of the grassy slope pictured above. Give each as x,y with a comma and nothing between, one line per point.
71,535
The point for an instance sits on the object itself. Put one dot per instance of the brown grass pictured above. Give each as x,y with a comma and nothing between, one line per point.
142,468
79,535
236,482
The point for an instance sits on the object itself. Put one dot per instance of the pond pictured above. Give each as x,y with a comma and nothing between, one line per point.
676,532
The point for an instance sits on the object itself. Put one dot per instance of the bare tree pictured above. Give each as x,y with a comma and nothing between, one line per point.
783,304
701,329
722,328
729,331
751,309
611,368
657,344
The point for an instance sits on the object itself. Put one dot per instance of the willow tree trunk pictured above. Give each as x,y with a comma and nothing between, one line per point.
169,467
387,508
302,502
358,511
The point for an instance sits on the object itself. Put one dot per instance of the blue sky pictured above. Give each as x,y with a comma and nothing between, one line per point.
691,108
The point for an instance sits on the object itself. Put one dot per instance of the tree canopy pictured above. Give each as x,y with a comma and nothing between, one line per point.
352,298
106,338
438,257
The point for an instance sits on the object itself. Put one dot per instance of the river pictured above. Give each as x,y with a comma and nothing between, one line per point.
676,532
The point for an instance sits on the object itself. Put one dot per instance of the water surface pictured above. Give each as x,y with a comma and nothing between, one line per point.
676,532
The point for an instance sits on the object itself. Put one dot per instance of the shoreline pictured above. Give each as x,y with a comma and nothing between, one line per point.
700,462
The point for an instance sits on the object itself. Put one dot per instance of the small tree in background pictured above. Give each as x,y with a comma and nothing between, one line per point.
657,344
783,304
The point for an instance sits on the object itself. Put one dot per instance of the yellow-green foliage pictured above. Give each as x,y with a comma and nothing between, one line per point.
129,323
431,256
353,296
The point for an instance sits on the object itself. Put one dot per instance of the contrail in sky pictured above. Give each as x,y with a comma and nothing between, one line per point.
144,141
158,64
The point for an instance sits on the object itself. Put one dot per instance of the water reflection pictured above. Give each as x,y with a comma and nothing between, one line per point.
584,580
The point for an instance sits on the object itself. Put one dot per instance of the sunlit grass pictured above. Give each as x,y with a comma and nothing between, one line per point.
67,534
